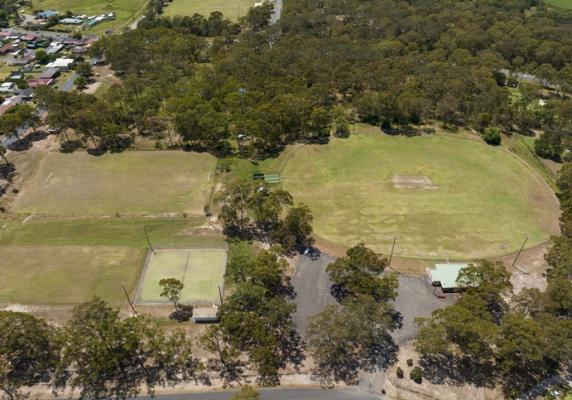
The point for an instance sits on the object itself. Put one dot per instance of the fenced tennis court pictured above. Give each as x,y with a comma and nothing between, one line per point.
201,271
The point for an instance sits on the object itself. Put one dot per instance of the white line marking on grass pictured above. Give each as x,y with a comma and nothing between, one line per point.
28,218
186,265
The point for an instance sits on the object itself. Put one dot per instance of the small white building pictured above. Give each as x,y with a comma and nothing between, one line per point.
7,87
445,276
205,315
61,64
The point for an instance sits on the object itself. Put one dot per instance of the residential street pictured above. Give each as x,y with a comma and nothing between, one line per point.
277,394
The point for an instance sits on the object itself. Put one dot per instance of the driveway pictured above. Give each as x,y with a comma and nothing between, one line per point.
312,286
69,85
415,300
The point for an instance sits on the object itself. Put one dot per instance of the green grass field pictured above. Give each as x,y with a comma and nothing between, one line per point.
52,261
567,4
66,274
459,199
126,11
131,183
201,270
232,9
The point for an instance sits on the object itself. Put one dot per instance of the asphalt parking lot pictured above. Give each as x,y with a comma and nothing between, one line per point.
312,286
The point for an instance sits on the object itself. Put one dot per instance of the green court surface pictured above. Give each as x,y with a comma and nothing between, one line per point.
201,271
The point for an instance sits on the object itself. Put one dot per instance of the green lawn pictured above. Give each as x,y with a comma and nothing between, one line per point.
461,198
126,11
5,71
232,9
567,4
53,261
131,183
201,270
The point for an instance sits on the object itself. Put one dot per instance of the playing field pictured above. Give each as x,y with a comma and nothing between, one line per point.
66,274
126,11
560,3
201,271
130,183
442,196
231,9
50,261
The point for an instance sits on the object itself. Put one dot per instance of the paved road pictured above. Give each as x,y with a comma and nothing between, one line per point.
277,394
50,34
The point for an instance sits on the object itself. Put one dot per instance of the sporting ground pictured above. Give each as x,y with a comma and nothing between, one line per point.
231,9
50,261
443,196
131,183
126,11
201,271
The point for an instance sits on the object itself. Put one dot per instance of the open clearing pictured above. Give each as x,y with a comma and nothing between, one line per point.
52,261
65,274
125,10
131,183
560,3
231,9
201,270
483,201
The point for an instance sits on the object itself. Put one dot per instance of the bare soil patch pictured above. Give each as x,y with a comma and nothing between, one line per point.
413,182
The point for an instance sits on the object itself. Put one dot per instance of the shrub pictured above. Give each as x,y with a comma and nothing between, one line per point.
416,375
492,136
410,362
399,373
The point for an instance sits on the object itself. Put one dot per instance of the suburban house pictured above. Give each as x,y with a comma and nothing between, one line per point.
47,14
33,83
9,103
444,276
79,51
8,87
49,73
7,48
61,63
54,48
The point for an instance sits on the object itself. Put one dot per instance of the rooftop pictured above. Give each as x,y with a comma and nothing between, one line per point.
446,274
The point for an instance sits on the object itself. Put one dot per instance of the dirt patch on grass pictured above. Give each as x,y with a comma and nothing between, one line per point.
412,182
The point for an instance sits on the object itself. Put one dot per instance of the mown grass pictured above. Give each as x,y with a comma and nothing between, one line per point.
131,183
54,261
567,4
231,9
201,271
523,147
485,204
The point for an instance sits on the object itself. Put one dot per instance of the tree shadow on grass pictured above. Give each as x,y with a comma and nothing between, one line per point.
37,136
20,145
7,171
458,371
